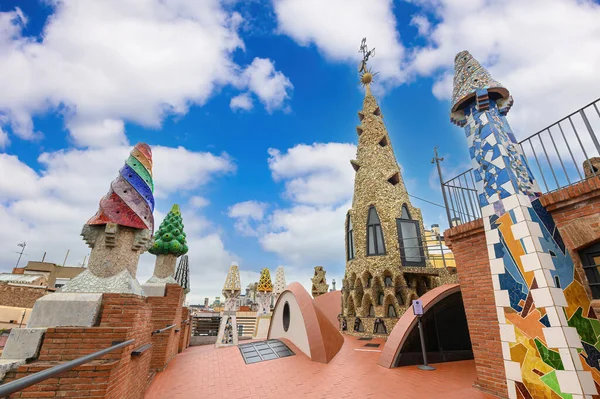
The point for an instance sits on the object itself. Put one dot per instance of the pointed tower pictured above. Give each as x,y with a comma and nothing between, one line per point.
541,324
228,334
319,284
386,260
280,285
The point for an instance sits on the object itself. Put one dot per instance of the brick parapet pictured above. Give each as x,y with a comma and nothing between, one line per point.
20,296
166,310
576,213
468,244
116,375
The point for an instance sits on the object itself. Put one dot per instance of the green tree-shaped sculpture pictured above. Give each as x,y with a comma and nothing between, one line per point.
170,238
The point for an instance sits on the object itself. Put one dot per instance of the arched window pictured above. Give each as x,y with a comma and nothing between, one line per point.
391,311
409,237
350,239
380,299
388,281
371,310
375,245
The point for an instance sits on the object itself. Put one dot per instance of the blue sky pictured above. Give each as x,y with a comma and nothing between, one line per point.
265,182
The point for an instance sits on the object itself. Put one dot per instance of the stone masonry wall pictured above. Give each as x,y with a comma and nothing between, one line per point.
468,244
18,296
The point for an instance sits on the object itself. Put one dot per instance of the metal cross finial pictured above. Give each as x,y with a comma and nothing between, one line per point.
366,54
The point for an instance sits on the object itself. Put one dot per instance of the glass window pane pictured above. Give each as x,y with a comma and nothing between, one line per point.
349,223
371,239
410,241
380,249
373,217
404,213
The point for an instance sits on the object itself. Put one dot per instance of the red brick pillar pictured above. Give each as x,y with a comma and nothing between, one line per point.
185,329
469,247
166,310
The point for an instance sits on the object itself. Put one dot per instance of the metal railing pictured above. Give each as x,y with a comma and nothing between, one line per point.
26,382
170,326
558,156
205,326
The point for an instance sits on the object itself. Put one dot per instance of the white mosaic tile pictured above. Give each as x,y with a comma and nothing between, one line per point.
542,297
492,237
507,333
568,381
567,360
496,283
555,337
501,315
558,296
512,389
505,350
587,382
502,298
572,337
497,266
513,371
511,202
532,244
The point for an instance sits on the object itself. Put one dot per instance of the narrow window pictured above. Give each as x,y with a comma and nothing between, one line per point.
409,237
395,179
369,282
375,245
350,239
371,311
391,311
380,299
383,142
557,281
388,281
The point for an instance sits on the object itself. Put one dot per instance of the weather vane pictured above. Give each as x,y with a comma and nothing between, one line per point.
362,67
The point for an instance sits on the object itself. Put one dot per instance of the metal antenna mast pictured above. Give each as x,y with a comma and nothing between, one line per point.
22,245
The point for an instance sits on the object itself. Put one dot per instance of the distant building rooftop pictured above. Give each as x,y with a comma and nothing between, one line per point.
28,279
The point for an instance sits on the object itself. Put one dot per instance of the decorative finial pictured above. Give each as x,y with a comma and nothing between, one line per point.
170,238
366,74
130,201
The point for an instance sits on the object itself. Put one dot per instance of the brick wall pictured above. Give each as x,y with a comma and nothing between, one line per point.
18,296
116,375
576,213
166,310
468,244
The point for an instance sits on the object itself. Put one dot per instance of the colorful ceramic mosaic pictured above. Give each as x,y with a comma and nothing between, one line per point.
231,288
170,239
130,201
549,332
264,283
182,274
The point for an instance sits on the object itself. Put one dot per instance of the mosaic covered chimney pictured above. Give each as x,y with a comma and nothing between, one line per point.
280,285
182,275
548,331
386,261
120,231
264,290
231,291
319,284
169,243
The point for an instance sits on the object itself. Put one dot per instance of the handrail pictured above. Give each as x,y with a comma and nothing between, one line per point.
163,329
25,382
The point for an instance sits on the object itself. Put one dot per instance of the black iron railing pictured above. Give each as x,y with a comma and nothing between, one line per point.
26,382
558,156
170,326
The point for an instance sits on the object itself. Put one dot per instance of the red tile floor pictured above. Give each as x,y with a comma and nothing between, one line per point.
206,372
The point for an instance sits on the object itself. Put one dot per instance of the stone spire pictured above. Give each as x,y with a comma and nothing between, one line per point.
182,274
120,231
280,284
168,244
526,259
232,287
319,284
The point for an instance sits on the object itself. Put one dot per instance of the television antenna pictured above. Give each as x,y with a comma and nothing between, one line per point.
22,245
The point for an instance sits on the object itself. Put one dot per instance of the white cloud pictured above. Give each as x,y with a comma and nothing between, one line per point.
337,27
48,208
315,174
198,202
551,73
4,141
246,214
422,23
101,64
242,101
270,86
